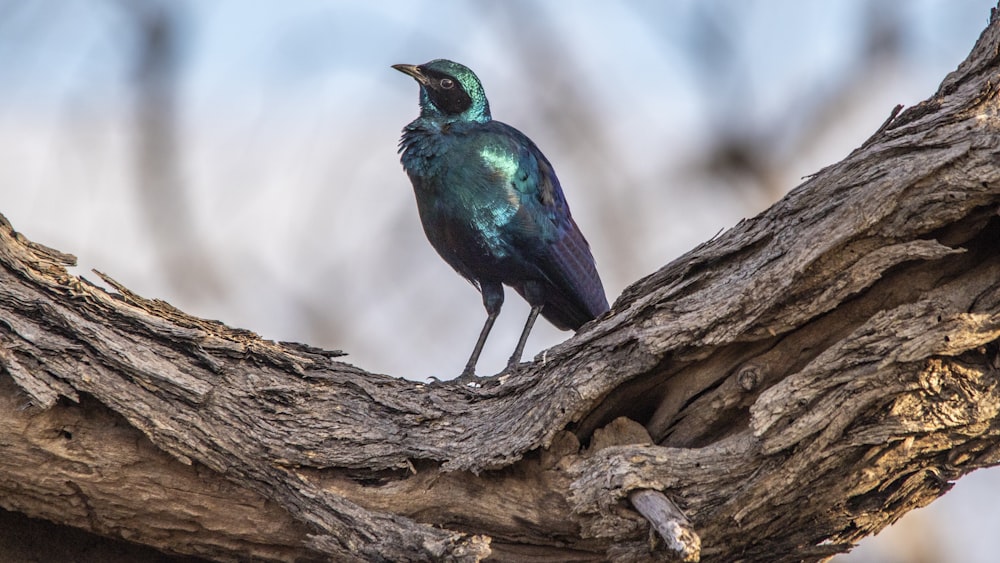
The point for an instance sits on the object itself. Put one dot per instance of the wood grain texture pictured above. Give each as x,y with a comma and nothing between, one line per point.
669,522
803,380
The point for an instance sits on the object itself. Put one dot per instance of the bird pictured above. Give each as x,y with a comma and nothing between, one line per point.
492,207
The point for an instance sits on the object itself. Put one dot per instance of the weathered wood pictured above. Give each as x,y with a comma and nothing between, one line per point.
81,465
668,520
806,378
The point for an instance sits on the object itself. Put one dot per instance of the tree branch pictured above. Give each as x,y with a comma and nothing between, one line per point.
809,376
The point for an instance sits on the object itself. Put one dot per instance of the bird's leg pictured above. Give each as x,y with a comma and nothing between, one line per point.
515,358
534,294
470,367
492,300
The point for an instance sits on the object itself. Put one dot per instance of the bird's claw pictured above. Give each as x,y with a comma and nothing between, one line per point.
468,376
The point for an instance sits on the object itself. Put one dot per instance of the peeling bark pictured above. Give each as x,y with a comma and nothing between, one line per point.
793,385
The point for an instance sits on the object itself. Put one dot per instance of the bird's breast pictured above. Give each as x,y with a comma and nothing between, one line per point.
465,193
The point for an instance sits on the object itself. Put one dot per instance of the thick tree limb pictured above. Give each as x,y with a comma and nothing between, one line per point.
805,378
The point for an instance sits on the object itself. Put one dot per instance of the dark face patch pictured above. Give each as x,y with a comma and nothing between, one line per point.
446,92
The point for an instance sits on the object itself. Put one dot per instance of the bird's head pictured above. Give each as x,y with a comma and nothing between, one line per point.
448,91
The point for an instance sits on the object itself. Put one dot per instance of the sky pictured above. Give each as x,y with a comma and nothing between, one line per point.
285,209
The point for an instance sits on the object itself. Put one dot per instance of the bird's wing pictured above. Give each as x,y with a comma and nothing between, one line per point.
545,231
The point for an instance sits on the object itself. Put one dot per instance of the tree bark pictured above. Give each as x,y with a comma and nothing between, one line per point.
791,386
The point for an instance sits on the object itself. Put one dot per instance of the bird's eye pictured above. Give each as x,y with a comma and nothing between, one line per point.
447,83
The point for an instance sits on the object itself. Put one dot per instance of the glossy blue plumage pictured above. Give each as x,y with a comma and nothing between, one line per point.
492,207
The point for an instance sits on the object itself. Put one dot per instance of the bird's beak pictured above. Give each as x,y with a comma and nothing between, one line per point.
412,70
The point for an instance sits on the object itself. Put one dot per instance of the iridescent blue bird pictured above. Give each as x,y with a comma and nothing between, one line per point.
492,207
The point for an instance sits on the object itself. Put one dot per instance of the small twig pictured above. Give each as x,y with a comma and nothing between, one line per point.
675,529
885,125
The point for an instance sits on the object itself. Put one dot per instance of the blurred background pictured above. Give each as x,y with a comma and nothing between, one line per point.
238,158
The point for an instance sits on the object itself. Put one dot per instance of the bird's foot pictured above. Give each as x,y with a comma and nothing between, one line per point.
512,368
468,377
